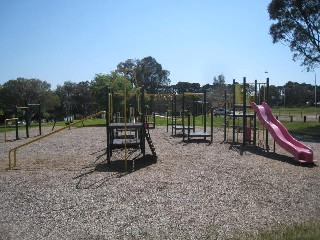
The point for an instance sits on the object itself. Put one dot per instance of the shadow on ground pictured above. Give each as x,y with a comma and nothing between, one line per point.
306,138
118,165
277,157
97,174
271,155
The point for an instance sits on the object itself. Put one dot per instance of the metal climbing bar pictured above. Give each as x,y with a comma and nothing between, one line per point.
14,150
5,126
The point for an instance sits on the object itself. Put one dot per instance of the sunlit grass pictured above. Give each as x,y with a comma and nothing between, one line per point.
309,230
296,112
306,128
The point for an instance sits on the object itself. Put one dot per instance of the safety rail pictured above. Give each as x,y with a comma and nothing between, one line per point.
14,150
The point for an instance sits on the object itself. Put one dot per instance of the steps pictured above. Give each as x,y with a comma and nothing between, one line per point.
150,143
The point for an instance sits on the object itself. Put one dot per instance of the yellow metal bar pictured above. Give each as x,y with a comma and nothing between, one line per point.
238,94
123,94
46,135
125,128
9,157
5,127
191,94
160,94
139,103
15,158
225,101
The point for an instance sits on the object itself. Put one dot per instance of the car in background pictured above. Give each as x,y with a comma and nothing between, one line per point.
220,111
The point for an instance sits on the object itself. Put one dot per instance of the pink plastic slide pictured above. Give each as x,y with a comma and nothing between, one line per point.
301,152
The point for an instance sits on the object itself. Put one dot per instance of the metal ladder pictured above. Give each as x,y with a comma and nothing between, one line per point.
150,143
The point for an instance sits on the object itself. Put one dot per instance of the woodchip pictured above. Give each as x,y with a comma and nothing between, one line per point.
63,189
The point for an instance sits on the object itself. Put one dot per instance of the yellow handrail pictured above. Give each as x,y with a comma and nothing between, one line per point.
14,150
228,98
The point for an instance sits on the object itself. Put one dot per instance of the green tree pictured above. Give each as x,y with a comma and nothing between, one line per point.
274,96
219,85
115,82
76,99
182,87
98,89
207,87
21,90
148,72
129,64
296,94
297,24
1,104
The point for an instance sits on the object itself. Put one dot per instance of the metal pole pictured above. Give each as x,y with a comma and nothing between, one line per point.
175,115
234,112
225,116
167,118
125,124
108,112
39,111
255,114
204,110
16,117
267,100
315,93
244,113
183,115
211,116
188,126
284,97
26,115
144,124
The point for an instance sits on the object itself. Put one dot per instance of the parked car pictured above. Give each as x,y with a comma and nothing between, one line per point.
220,111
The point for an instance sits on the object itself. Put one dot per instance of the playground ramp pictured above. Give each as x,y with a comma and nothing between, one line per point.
301,152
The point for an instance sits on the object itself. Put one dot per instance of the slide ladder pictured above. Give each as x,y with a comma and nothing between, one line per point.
150,143
283,138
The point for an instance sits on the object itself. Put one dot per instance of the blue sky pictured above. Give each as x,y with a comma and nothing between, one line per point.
72,40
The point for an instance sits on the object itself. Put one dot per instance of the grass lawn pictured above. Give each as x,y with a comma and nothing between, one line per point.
307,128
296,112
300,231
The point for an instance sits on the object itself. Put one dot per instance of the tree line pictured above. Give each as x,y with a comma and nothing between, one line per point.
87,97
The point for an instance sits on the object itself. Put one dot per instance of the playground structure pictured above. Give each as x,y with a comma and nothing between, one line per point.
178,118
127,126
184,120
301,152
246,123
132,131
124,133
150,120
5,126
25,111
200,134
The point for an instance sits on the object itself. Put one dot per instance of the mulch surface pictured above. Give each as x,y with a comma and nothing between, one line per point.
62,188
